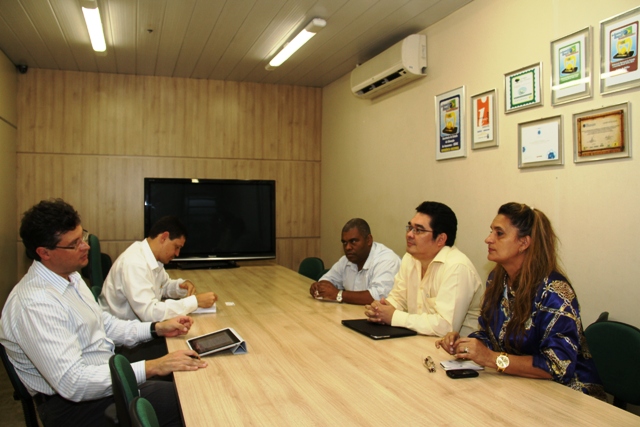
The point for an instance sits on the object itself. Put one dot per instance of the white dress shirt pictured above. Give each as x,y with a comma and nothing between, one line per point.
376,275
136,285
447,298
60,341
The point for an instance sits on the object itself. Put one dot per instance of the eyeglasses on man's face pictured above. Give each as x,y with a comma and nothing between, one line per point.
416,230
77,243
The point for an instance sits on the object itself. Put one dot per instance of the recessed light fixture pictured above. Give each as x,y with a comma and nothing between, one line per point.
303,36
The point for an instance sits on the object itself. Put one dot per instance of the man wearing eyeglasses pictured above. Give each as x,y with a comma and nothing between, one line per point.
365,272
437,289
60,341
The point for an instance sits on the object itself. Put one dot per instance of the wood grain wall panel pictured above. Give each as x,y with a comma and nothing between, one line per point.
91,139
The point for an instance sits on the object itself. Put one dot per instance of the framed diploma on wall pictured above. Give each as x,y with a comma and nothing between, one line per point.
522,88
601,134
619,52
540,143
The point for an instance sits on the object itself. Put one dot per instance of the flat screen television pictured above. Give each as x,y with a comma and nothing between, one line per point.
226,220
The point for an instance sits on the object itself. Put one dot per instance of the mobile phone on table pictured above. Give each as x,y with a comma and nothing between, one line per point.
462,373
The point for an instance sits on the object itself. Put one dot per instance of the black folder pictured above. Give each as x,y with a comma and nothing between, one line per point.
377,331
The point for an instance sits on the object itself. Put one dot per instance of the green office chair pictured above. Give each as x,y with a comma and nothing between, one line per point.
142,413
312,268
125,387
20,391
98,267
615,348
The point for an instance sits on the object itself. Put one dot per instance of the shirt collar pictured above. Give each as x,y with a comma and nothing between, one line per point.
149,258
56,281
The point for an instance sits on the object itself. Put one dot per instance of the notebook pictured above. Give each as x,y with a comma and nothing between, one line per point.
377,331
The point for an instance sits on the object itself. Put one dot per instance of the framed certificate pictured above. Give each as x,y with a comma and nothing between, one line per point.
601,134
484,120
522,88
450,128
571,67
619,52
540,143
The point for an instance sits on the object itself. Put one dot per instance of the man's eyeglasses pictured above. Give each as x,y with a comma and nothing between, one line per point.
416,231
76,245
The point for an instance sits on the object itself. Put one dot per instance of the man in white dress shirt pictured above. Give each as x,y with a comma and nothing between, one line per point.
60,341
437,289
365,272
137,284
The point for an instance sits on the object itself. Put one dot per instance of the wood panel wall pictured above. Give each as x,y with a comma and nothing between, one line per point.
91,139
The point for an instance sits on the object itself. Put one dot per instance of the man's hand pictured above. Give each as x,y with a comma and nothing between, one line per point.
380,312
323,290
173,327
190,287
206,299
180,360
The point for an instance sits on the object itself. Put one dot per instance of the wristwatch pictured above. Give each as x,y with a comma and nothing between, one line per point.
339,297
502,361
154,334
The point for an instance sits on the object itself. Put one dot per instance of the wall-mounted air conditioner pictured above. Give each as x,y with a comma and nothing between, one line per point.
401,63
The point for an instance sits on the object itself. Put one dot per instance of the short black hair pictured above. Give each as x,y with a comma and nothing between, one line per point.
443,220
45,223
360,224
170,223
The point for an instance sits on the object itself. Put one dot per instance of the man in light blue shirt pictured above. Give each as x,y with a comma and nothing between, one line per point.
366,271
60,341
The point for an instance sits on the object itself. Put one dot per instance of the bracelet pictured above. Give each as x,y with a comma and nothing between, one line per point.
154,334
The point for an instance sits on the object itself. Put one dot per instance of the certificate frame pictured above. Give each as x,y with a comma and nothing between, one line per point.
609,128
571,67
450,124
619,68
522,88
484,120
540,143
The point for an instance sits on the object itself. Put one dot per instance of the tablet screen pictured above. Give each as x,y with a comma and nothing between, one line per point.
215,341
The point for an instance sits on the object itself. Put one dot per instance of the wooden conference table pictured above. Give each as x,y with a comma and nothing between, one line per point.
304,368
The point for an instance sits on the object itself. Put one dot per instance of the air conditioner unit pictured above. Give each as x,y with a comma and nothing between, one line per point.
401,63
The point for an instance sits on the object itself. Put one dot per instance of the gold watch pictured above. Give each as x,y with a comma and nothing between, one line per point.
502,361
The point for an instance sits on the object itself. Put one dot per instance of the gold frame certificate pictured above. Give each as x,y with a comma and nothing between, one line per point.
601,134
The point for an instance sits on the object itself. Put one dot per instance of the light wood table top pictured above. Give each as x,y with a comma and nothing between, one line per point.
304,368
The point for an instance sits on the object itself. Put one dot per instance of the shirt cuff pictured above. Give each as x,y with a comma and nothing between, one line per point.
399,318
144,331
140,371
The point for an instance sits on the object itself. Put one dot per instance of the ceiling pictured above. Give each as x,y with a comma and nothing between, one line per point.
213,39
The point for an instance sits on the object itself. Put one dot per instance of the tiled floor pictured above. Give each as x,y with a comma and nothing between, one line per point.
10,410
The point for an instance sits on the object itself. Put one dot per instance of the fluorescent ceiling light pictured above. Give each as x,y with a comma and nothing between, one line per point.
94,25
303,36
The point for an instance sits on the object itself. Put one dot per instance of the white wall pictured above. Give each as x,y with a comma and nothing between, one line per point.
379,156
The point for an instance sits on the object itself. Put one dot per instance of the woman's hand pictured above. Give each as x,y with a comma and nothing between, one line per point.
447,342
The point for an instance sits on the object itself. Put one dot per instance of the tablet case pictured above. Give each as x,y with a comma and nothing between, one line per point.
377,331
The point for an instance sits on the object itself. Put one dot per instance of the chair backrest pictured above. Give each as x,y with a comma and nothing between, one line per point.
125,387
142,413
98,266
311,267
20,391
615,348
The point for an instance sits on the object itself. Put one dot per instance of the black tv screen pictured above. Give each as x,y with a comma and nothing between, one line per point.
226,220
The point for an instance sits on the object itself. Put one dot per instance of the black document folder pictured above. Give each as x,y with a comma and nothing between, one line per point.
377,331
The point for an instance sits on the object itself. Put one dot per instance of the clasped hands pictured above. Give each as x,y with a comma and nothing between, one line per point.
379,312
323,290
465,348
